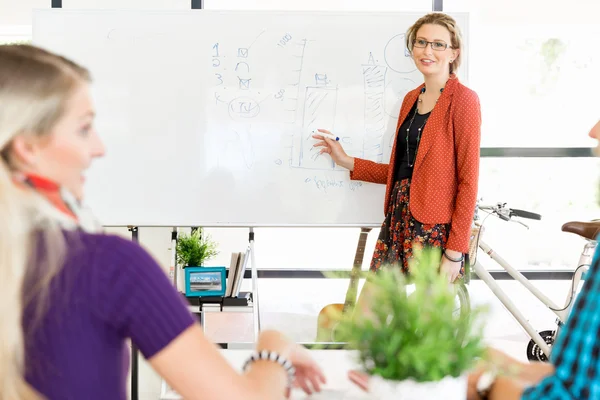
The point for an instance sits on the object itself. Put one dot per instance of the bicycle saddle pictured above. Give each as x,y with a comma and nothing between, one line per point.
588,230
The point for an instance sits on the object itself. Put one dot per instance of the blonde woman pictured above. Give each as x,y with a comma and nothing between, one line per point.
432,177
72,297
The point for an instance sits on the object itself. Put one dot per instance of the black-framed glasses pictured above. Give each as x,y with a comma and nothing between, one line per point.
435,45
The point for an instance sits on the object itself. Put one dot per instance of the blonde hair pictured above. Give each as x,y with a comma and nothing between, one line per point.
35,86
447,22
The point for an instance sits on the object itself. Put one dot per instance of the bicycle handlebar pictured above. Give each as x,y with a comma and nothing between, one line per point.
506,213
525,214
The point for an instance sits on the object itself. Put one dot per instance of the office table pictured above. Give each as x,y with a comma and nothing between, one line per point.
335,364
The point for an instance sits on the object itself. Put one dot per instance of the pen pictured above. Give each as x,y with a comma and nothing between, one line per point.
327,135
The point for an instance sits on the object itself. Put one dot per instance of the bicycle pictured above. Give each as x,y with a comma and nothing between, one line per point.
540,346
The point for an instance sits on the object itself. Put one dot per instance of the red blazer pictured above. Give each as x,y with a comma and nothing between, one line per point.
446,172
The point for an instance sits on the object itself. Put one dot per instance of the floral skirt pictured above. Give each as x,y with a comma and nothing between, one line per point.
400,232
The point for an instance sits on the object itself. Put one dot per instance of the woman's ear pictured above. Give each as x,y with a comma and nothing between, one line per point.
455,53
23,150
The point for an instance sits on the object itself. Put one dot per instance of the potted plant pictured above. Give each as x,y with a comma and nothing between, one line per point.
196,248
410,342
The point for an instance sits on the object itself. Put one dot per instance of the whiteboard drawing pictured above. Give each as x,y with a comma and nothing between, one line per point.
292,98
236,149
243,108
397,56
305,96
375,123
319,110
307,99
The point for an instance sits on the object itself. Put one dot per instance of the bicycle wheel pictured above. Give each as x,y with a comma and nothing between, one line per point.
534,352
462,302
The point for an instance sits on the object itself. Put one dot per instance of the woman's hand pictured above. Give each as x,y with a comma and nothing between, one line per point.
449,267
472,380
309,375
333,148
359,378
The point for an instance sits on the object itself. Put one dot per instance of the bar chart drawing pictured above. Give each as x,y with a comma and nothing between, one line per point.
359,102
375,117
320,103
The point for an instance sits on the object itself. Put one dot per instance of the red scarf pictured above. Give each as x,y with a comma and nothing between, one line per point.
51,191
60,198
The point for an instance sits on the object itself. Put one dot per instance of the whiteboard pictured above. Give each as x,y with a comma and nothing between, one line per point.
207,115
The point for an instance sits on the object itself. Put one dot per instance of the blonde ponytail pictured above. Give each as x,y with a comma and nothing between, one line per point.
15,244
34,88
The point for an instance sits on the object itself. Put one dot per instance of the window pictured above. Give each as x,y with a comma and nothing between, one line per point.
18,13
15,34
539,88
560,189
535,70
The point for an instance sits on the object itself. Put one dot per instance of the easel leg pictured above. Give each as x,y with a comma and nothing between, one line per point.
203,320
255,302
134,350
174,256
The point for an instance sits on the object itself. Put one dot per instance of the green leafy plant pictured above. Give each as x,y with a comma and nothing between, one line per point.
414,335
196,248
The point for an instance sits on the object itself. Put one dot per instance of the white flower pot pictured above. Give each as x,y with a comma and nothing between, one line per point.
449,388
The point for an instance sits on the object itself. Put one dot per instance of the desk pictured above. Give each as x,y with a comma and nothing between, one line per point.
335,364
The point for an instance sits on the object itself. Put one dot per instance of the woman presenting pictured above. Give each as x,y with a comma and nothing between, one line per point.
433,173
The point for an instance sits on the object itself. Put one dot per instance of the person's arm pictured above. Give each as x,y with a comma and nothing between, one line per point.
505,388
574,355
512,375
134,297
513,388
369,171
195,368
528,372
467,139
360,169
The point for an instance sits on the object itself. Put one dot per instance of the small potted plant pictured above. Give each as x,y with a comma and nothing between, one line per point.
411,343
196,248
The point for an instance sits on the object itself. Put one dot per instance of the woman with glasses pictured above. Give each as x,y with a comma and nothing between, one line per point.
433,173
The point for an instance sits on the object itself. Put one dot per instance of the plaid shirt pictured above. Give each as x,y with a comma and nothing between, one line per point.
576,354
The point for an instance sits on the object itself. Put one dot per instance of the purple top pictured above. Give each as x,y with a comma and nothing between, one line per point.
109,290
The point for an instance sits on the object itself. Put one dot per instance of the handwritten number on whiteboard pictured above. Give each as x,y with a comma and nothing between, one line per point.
216,62
279,95
216,47
220,78
286,38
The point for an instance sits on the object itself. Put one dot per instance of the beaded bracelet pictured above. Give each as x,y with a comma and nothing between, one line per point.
272,356
462,257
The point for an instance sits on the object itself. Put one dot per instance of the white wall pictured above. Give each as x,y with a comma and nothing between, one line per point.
539,12
18,12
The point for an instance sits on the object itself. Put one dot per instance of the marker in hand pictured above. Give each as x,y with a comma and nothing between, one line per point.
327,135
